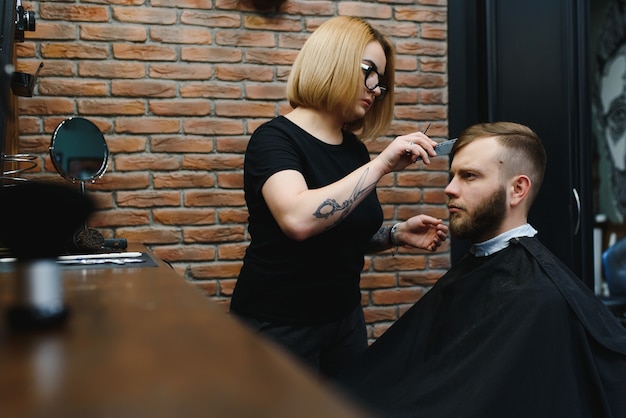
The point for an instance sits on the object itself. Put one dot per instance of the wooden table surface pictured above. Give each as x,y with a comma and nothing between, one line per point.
143,342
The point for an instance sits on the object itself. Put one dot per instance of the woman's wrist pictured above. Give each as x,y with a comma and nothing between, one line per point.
393,239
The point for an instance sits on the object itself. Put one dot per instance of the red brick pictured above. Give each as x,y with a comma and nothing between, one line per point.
144,52
143,88
176,253
397,296
212,161
117,218
72,87
182,180
243,108
187,4
215,198
147,199
146,15
145,162
151,235
421,14
207,287
52,31
434,31
226,289
279,24
400,262
241,38
244,72
181,71
177,35
234,216
62,12
181,144
120,144
25,49
211,54
366,10
111,70
184,216
146,125
111,106
46,106
232,144
113,33
232,251
212,90
213,126
311,8
377,280
178,107
217,270
210,19
230,180
74,51
122,181
264,56
377,314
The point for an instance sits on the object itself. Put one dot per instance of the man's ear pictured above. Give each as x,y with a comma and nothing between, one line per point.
520,187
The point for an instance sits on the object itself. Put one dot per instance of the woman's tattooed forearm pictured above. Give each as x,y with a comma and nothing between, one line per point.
330,207
380,240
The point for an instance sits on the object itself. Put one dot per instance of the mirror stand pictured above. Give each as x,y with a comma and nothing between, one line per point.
79,153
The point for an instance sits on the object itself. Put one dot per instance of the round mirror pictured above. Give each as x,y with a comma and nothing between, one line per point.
78,150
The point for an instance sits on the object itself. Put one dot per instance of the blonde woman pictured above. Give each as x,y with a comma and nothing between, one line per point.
310,188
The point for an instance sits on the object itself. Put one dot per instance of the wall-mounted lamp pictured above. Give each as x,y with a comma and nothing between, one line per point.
23,84
24,21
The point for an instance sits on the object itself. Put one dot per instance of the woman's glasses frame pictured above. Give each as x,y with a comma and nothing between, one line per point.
372,80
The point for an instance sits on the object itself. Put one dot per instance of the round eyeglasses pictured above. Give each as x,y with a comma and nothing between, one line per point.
372,80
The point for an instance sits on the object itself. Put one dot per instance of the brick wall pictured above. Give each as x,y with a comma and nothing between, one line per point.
178,87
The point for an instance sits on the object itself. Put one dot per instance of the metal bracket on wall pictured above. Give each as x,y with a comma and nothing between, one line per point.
21,163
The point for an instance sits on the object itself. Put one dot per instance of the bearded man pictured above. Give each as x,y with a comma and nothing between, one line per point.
509,331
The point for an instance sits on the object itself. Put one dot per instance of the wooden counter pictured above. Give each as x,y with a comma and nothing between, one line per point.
142,342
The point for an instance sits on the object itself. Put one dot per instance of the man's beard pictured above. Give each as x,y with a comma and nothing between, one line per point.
485,220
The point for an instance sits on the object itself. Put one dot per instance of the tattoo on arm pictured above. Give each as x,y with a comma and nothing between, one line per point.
330,207
379,241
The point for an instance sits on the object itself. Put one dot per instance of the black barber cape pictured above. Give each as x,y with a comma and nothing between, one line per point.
513,334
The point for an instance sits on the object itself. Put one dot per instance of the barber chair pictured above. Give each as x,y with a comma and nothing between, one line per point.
614,265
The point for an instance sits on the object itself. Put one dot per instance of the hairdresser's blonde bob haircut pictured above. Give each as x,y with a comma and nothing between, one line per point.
327,74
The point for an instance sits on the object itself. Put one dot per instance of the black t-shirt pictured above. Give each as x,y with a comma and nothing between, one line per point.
315,280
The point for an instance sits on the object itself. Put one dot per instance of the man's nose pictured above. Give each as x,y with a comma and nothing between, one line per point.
450,189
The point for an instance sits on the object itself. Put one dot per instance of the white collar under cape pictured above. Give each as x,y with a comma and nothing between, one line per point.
495,244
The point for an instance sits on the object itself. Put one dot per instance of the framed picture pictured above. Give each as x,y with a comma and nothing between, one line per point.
608,94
